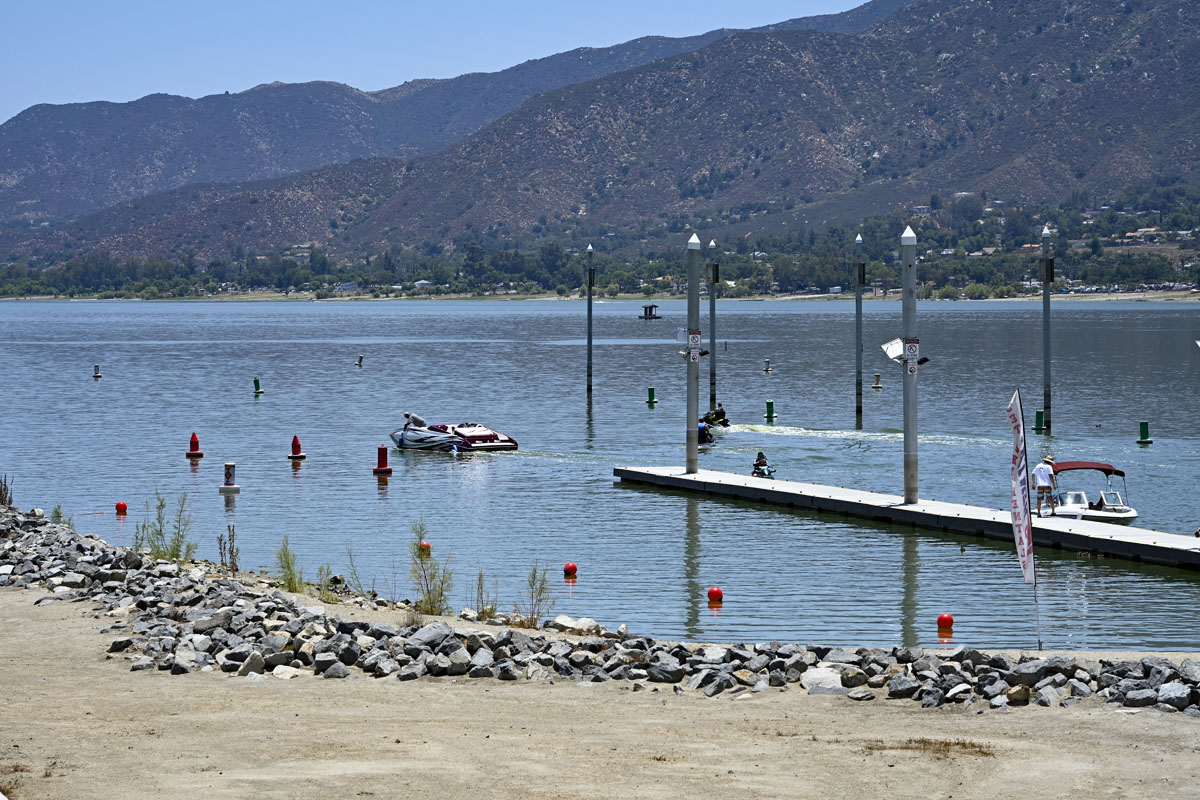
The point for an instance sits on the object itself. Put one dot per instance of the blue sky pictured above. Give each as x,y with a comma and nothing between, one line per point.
70,51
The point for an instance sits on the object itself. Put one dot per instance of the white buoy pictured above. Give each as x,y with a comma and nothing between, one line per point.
230,487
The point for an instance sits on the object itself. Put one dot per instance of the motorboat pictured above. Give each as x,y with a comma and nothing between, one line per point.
1109,506
464,437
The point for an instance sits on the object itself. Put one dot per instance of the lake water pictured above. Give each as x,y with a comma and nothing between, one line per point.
646,558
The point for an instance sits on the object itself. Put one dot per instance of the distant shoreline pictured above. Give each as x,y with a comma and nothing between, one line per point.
307,297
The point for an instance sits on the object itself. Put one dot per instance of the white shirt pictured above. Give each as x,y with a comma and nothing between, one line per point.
1043,474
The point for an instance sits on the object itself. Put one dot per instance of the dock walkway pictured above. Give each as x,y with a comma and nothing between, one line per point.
1135,544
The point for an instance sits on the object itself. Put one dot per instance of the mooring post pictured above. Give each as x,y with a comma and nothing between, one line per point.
860,274
1047,289
912,352
591,280
693,362
714,277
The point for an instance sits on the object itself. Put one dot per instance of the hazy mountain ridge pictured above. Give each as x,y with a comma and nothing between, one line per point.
60,161
1026,100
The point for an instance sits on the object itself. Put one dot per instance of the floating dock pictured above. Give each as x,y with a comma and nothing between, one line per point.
1135,544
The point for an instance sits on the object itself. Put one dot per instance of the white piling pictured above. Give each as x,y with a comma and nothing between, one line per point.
230,486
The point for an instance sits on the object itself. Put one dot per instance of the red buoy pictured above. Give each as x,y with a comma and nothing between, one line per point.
945,621
382,468
424,548
569,569
194,450
121,507
297,455
715,595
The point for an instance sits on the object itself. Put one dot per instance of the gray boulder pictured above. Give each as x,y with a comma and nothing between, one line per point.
274,643
411,672
142,662
1175,694
254,663
902,686
385,667
460,662
1161,674
1139,698
323,661
1029,673
853,677
665,672
430,636
336,670
839,656
720,683
221,619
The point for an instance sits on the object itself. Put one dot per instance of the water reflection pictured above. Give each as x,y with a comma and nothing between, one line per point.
911,586
691,568
589,437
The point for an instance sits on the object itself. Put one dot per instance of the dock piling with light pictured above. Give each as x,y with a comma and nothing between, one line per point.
693,361
860,275
908,255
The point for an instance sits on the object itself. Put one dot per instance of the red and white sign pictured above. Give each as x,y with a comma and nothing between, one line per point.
1022,522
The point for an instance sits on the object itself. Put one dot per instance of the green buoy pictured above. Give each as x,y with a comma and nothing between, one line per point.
1145,433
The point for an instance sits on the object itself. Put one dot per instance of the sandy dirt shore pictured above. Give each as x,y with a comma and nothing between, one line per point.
75,723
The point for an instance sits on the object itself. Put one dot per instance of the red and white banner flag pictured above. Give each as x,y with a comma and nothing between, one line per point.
1022,522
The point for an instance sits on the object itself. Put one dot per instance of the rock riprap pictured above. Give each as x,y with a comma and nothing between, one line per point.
183,619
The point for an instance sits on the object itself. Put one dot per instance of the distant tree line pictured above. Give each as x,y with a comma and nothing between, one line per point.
969,247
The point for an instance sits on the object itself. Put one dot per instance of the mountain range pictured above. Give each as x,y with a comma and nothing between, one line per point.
62,161
809,121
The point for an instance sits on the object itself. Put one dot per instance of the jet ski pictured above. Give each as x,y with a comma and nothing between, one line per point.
464,437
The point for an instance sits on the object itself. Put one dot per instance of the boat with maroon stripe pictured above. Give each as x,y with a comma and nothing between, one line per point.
1109,505
463,437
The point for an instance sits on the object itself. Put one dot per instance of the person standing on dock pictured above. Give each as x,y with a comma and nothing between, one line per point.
1043,477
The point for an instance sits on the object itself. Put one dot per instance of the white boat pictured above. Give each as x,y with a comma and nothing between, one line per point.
464,437
1108,506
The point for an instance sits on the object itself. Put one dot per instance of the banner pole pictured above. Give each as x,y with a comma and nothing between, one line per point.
1037,615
